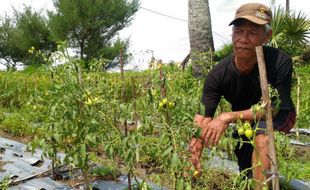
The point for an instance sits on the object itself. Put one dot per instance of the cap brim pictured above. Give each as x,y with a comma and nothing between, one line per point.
251,19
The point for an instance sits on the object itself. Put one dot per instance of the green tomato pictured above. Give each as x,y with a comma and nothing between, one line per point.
161,105
240,131
258,108
249,133
165,101
89,102
170,105
246,125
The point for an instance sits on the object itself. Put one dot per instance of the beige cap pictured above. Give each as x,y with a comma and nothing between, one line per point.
254,12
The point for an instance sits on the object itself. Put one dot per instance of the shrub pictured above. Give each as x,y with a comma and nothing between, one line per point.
16,124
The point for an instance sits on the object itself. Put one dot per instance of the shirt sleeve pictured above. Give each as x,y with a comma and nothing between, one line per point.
283,82
211,93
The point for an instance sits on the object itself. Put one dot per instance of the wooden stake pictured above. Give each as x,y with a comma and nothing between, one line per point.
267,101
297,105
122,74
163,80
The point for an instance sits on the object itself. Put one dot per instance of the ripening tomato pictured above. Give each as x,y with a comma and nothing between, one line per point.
196,173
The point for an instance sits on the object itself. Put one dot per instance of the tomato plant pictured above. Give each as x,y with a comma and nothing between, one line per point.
84,115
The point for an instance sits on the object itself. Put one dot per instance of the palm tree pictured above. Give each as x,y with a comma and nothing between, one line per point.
290,31
200,28
199,25
287,6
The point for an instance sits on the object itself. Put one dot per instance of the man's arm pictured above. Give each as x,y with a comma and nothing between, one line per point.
212,129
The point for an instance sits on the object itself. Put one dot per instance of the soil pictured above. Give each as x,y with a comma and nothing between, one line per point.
1,165
302,153
21,139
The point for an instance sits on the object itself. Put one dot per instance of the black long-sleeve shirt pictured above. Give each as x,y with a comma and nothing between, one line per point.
242,91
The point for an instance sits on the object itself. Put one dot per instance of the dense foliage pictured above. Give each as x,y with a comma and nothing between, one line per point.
90,114
290,32
142,121
20,33
90,29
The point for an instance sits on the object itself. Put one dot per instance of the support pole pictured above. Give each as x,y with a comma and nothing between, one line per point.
267,101
121,55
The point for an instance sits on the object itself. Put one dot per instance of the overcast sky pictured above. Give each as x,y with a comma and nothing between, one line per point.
160,26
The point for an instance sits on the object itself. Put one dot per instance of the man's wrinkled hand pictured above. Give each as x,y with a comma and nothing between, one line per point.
198,119
195,149
212,133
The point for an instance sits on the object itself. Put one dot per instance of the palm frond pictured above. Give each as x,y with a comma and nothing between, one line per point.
291,32
278,28
297,29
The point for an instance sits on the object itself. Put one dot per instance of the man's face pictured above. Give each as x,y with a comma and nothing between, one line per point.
246,36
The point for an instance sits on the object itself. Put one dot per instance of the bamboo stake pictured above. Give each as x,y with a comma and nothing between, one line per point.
22,180
298,105
123,99
267,101
163,81
85,170
122,74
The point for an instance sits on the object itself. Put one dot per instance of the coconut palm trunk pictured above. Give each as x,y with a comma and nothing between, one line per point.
287,6
200,28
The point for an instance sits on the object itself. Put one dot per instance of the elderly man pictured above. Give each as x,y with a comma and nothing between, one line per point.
236,78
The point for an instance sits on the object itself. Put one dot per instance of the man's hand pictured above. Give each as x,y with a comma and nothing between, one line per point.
196,145
198,119
195,149
213,130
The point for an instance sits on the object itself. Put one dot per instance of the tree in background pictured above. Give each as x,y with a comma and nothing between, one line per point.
199,26
114,51
287,6
24,31
32,31
90,25
200,30
9,53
